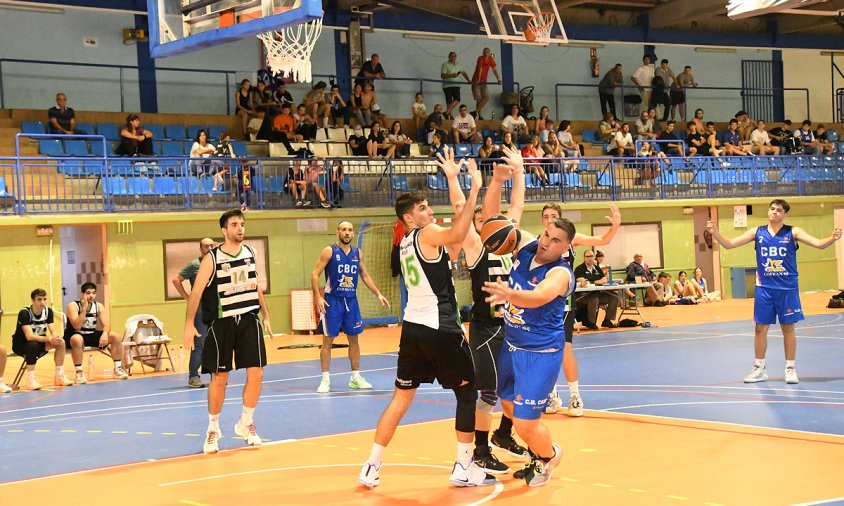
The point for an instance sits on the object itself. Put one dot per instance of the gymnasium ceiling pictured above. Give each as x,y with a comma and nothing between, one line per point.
682,15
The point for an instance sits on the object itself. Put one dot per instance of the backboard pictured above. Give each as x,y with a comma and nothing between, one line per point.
507,19
740,9
182,26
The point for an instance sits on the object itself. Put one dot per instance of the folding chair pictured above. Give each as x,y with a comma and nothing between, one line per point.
146,342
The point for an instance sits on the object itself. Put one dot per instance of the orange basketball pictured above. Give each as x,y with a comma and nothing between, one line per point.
500,235
530,34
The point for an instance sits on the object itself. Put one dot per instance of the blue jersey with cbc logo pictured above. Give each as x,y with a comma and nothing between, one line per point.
776,259
540,328
341,273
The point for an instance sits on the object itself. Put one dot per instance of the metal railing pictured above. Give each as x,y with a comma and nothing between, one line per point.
35,185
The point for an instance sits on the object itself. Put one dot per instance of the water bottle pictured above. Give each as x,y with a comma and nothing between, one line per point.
609,274
493,115
181,358
91,369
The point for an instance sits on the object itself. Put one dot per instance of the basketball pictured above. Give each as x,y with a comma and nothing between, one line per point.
530,34
500,235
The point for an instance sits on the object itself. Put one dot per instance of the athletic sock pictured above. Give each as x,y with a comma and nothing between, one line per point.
246,415
482,438
31,375
505,428
375,454
325,377
789,363
118,363
573,388
355,374
464,454
214,422
78,367
759,362
59,370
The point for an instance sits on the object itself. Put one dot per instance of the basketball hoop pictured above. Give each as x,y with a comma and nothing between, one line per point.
538,28
289,49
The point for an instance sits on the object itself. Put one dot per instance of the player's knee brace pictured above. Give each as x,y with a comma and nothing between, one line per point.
466,395
486,401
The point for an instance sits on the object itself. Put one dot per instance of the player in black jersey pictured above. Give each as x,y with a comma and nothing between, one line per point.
486,329
35,335
551,212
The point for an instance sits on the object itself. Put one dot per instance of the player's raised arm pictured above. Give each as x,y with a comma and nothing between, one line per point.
601,240
807,238
435,235
321,264
555,284
517,192
728,243
513,168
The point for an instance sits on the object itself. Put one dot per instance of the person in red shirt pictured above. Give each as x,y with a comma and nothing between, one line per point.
479,90
532,154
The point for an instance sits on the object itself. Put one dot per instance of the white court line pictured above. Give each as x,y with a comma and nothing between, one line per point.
747,393
822,501
700,403
715,387
655,341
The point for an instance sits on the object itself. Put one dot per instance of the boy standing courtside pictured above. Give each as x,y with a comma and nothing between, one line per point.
339,310
777,290
227,285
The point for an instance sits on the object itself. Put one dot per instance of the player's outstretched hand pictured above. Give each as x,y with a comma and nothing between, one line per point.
474,173
187,337
836,234
383,300
321,304
502,173
514,159
710,226
499,291
447,163
615,215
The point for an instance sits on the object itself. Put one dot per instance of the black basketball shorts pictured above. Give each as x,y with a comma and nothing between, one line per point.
237,340
426,354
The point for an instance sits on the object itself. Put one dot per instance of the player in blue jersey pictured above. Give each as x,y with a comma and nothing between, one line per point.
777,291
535,299
338,308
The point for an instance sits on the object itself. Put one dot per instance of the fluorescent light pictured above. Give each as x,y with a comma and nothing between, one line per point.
30,7
427,36
589,45
715,50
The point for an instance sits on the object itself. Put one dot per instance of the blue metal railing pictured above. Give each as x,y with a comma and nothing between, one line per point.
108,184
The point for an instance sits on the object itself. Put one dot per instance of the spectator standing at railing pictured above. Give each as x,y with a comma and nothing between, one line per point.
315,104
570,148
450,73
731,140
761,142
607,128
606,90
643,79
306,124
62,119
371,69
644,127
678,90
463,127
515,124
244,107
661,88
337,107
419,111
485,63
622,144
134,140
826,144
811,146
671,148
399,140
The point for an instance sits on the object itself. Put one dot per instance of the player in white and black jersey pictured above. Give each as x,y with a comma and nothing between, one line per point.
35,335
486,330
227,284
432,343
88,325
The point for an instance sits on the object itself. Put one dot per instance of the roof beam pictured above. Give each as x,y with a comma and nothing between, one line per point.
672,13
799,24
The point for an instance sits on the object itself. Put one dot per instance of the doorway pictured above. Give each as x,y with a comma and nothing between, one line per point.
83,252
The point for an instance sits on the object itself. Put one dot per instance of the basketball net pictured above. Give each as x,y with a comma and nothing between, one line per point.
538,28
289,49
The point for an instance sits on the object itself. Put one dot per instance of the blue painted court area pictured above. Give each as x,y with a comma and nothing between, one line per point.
692,372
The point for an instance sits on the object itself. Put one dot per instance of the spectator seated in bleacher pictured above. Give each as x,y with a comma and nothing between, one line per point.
61,118
811,146
379,116
200,151
547,132
488,148
570,148
134,140
35,335
670,134
654,121
687,289
711,142
306,124
315,105
263,100
4,388
419,111
607,128
780,134
540,124
622,144
650,167
824,141
746,124
761,142
338,108
376,143
356,103
552,149
699,280
644,127
399,140
253,128
438,147
337,182
533,155
357,142
463,129
244,106
515,124
281,96
694,140
639,272
296,183
315,168
731,138
283,129
219,161
367,99
435,122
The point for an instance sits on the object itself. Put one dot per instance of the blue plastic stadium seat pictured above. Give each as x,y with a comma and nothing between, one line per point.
32,127
465,181
276,184
165,185
554,178
50,147
76,147
590,136
97,148
109,131
214,131
72,168
114,186
463,150
156,130
172,148
193,129
139,186
437,182
239,148
399,183
346,185
175,132
605,179
85,128
3,192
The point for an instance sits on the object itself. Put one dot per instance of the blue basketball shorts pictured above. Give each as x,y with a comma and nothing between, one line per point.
341,315
769,305
526,378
